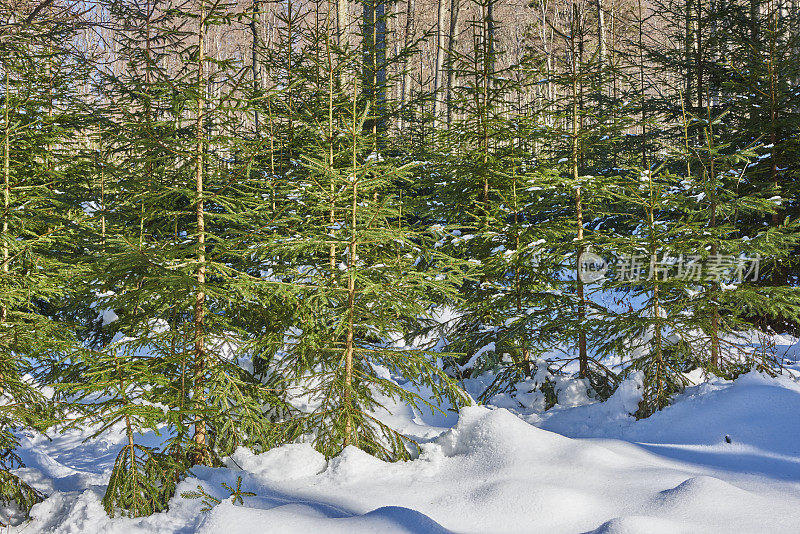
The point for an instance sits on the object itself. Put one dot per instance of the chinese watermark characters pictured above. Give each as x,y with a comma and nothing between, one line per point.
719,268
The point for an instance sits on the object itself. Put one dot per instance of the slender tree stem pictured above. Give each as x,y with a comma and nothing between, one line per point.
583,359
200,437
6,189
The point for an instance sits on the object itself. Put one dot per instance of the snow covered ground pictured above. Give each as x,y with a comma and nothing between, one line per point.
589,468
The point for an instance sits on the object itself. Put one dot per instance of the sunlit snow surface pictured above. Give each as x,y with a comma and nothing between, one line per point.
590,468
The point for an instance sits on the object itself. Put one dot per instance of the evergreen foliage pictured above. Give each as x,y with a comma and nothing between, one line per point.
357,273
41,153
232,247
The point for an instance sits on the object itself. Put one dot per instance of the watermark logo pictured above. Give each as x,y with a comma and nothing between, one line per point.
719,268
593,267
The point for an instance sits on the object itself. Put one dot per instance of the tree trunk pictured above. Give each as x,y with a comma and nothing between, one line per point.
712,194
200,438
583,359
147,109
601,43
490,34
488,73
405,88
342,23
351,283
773,124
439,66
289,75
332,213
452,39
699,54
642,83
689,44
6,190
102,190
656,305
255,28
546,33
374,48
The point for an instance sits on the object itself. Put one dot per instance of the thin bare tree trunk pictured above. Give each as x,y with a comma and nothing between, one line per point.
102,190
200,438
488,72
712,193
699,54
405,89
601,34
332,213
374,48
351,283
255,28
490,34
6,190
547,48
439,66
289,74
452,40
583,359
342,23
642,83
601,43
689,44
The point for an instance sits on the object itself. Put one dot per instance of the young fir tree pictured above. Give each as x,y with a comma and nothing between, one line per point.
583,145
173,278
486,193
358,275
721,102
527,297
758,73
688,270
40,221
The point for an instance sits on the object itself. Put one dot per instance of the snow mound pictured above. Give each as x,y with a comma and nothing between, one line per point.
296,518
640,525
754,411
284,463
600,417
496,433
702,492
353,464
